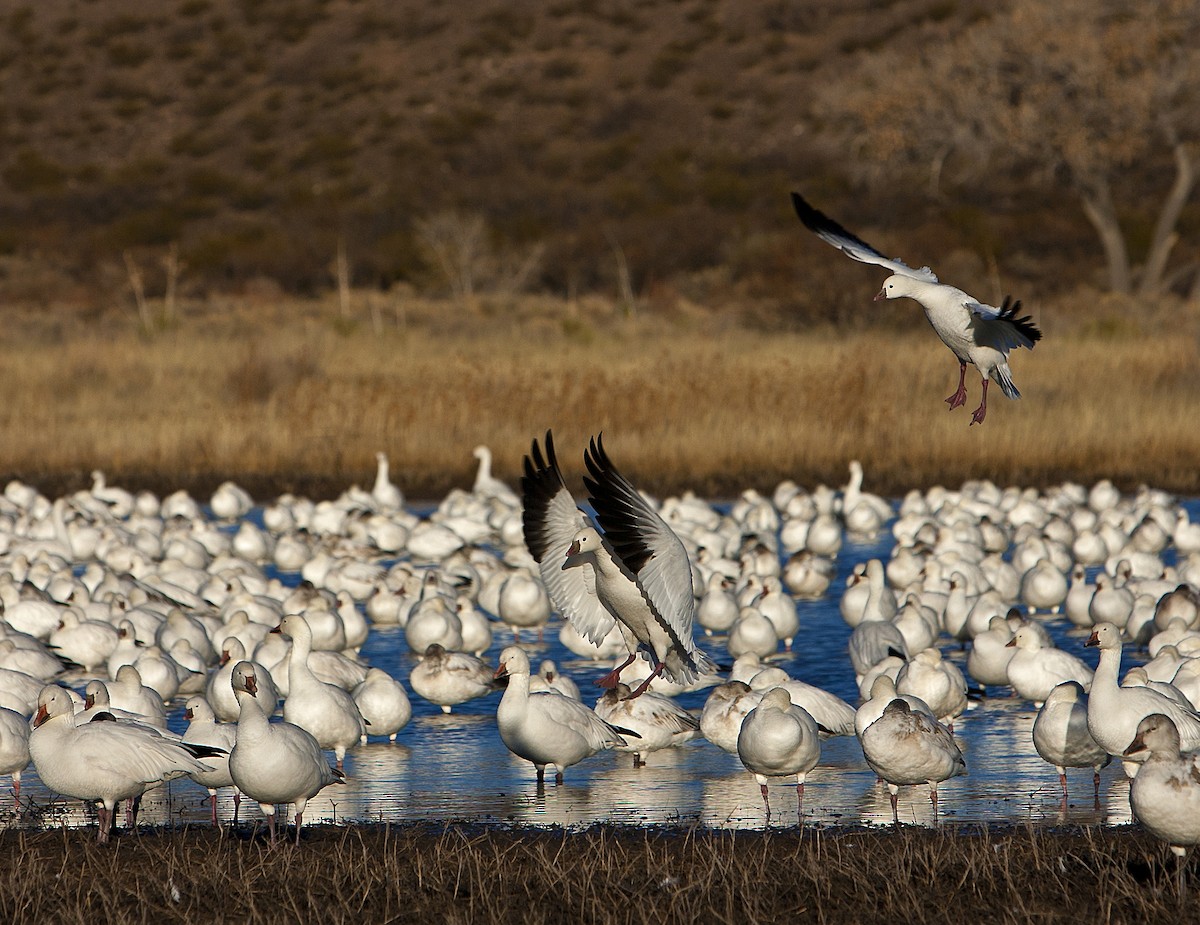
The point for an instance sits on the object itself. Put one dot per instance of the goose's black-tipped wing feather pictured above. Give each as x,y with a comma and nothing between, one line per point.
644,542
850,244
550,520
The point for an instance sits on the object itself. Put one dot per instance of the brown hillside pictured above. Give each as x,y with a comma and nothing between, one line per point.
258,134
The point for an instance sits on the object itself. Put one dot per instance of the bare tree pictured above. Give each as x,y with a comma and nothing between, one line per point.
454,245
1077,90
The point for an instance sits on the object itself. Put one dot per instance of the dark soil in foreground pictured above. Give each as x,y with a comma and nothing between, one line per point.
461,873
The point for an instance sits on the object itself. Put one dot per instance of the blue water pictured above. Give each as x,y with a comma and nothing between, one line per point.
456,768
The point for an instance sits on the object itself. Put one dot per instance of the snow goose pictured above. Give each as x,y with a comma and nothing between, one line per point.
723,713
274,762
1114,711
905,747
383,704
1183,603
883,692
832,714
751,633
1165,795
106,760
807,575
230,502
636,573
978,334
658,720
387,496
203,729
14,747
1035,669
449,678
219,692
779,739
326,711
1061,736
88,643
717,609
127,692
549,678
546,728
936,681
780,609
987,662
523,603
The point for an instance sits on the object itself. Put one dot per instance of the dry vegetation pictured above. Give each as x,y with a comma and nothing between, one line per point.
602,874
299,401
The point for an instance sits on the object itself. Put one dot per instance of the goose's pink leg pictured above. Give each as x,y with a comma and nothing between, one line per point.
959,398
641,689
981,411
613,678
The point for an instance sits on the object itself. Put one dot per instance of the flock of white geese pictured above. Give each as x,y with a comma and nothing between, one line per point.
115,605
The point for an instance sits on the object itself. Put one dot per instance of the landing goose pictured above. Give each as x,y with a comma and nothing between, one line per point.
546,728
274,762
637,572
1061,736
779,739
979,334
907,747
106,760
1114,711
1165,795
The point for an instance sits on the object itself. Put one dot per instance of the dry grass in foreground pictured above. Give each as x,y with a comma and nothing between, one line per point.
459,873
289,403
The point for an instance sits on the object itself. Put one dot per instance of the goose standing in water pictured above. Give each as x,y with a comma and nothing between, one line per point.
977,334
105,760
658,720
779,739
906,747
274,762
1061,736
545,727
203,729
637,573
1165,795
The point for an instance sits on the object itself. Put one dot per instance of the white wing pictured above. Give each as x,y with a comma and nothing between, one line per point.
645,544
551,521
850,244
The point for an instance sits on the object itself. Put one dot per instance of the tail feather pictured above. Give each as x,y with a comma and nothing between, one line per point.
1003,376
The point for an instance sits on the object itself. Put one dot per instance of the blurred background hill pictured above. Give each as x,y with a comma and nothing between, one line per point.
633,148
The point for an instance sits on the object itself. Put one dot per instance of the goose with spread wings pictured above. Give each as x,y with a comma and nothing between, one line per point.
978,334
635,574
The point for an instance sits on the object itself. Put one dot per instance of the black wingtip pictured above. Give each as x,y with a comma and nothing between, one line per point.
811,217
1008,312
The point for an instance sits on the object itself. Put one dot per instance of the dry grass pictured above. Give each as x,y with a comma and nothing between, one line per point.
287,402
603,874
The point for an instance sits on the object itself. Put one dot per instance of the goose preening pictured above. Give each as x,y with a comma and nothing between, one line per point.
636,573
1061,736
449,678
545,727
105,760
779,739
274,762
905,747
978,334
1165,794
657,719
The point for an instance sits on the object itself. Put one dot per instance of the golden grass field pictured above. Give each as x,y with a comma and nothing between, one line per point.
289,397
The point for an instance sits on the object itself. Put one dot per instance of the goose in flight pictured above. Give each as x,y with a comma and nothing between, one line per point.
978,334
635,574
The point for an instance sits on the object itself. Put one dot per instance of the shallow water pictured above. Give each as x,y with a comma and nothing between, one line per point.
454,767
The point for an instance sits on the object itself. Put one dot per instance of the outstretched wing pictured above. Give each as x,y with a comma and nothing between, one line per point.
644,543
1000,327
850,244
551,520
